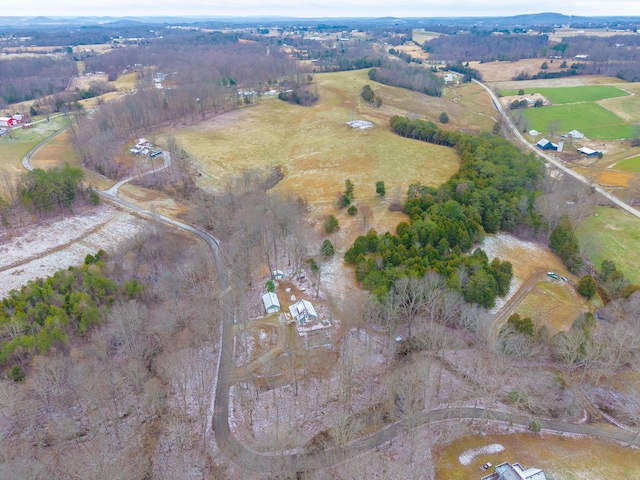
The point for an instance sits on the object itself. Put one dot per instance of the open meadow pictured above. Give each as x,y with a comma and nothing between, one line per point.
420,35
318,151
504,71
612,234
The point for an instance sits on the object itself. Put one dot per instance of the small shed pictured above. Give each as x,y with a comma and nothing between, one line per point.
277,275
271,303
302,311
588,152
545,144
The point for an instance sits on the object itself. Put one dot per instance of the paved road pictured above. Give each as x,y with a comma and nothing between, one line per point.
292,463
549,159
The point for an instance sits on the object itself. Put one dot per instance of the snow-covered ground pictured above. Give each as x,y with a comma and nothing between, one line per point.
40,251
468,456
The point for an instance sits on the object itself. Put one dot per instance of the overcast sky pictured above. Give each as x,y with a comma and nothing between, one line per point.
317,8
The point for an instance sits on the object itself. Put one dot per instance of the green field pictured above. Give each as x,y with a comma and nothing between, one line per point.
564,95
629,165
612,235
591,119
12,150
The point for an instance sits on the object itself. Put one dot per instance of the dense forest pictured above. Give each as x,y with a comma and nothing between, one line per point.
399,74
45,313
494,190
485,47
29,78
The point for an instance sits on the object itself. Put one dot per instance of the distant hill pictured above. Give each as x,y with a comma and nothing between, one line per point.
545,18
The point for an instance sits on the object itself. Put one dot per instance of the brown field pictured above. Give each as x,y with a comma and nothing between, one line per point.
554,304
83,82
561,457
420,36
59,151
125,82
475,104
575,81
413,49
560,33
317,150
612,178
506,71
627,108
152,200
98,48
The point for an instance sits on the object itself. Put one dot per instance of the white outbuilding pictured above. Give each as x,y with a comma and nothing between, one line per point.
271,303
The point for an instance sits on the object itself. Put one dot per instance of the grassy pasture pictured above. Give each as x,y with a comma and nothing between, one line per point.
629,165
612,235
590,118
554,304
420,35
560,457
628,107
317,150
13,150
564,95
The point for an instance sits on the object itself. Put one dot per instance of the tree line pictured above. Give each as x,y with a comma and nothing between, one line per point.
399,74
44,192
484,47
44,313
23,79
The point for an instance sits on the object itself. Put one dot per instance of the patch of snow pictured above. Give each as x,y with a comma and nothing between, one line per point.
468,456
42,251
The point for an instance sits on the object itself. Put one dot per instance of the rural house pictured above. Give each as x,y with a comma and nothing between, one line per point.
271,303
506,471
302,311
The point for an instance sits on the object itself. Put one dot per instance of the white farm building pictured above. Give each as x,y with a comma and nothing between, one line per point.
271,303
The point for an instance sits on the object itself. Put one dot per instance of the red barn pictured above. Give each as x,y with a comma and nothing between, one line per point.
8,122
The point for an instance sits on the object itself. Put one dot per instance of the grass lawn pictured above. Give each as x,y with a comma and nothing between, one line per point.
629,165
561,457
563,95
612,235
591,119
12,151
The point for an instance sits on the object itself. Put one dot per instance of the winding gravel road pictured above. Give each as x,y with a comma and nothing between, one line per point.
292,463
